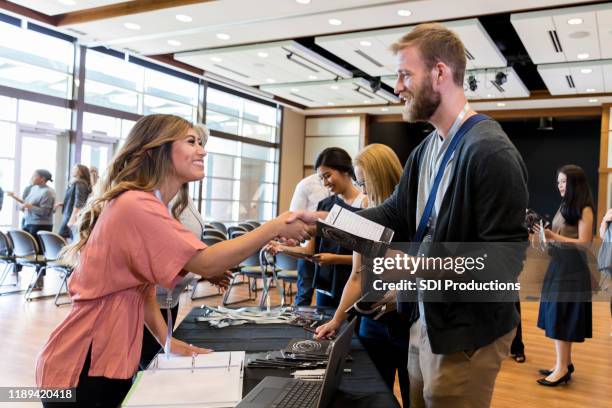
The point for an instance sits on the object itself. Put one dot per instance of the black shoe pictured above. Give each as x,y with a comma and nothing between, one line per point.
564,379
570,368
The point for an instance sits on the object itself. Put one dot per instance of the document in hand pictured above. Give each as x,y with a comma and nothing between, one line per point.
354,232
208,380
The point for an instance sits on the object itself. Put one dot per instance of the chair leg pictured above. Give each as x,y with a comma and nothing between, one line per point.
35,277
5,273
59,291
233,283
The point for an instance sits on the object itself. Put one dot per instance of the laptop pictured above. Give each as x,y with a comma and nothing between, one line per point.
281,392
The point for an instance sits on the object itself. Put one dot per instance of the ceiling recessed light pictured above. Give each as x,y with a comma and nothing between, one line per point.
270,80
404,13
68,2
312,77
593,100
334,87
586,70
365,43
334,21
366,101
183,18
216,59
590,89
349,111
583,55
501,104
223,36
131,26
489,96
330,103
295,90
262,54
303,1
574,21
174,43
384,109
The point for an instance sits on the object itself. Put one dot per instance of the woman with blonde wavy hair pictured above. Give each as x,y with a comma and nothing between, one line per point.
377,171
129,241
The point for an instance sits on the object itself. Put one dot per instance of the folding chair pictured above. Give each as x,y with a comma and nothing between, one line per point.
7,258
52,246
27,253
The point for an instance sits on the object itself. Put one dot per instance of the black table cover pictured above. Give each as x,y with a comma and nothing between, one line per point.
363,387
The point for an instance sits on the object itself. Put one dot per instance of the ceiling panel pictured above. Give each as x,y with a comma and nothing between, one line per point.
567,34
512,88
52,7
347,92
370,50
278,62
574,78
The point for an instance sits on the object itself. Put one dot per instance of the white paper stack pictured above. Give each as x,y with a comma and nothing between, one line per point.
212,381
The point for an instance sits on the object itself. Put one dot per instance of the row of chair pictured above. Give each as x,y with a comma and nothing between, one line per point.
20,248
257,266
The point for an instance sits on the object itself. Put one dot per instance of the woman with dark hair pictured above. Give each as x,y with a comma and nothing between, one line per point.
75,198
565,308
130,240
332,262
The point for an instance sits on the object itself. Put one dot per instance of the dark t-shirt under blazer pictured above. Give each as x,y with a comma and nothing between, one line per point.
485,202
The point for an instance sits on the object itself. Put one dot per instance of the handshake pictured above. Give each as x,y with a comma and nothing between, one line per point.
293,227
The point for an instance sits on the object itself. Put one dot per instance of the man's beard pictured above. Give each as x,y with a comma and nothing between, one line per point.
424,103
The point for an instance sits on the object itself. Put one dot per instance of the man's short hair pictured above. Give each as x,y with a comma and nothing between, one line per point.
436,43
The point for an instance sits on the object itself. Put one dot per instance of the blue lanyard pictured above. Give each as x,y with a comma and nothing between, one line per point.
467,125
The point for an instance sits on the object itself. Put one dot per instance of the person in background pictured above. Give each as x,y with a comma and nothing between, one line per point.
332,262
191,218
93,172
308,192
129,241
75,198
605,232
564,315
377,172
37,203
1,198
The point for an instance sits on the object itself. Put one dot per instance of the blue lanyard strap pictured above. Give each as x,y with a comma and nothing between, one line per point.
467,125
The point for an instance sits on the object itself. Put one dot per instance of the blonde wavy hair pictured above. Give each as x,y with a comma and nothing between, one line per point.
142,164
382,171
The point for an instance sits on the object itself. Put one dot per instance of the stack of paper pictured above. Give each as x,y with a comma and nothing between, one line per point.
208,380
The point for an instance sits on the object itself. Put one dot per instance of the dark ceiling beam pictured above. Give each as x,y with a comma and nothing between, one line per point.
26,12
120,9
169,59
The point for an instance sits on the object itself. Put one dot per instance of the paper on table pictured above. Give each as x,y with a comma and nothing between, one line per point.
210,385
211,360
350,222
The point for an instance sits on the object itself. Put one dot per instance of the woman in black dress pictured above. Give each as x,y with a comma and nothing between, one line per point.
565,309
75,198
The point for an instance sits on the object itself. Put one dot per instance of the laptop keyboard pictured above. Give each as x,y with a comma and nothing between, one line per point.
300,394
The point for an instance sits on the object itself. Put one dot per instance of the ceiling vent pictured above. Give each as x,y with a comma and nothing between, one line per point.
301,97
367,57
555,40
570,81
469,55
498,86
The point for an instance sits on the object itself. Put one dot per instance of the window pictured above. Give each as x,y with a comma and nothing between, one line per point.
35,62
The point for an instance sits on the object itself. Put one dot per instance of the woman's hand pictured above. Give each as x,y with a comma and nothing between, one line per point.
222,281
548,234
325,258
181,348
274,247
290,228
327,330
58,205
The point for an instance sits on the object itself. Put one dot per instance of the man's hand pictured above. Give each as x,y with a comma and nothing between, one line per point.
26,206
325,258
309,217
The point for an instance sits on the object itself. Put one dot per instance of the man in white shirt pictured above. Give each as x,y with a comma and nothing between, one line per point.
308,192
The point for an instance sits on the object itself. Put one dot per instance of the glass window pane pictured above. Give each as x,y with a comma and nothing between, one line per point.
111,70
108,125
222,122
218,145
218,210
223,102
153,105
7,174
258,152
36,79
259,131
98,93
170,87
8,108
219,189
257,112
126,127
38,113
7,139
220,166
